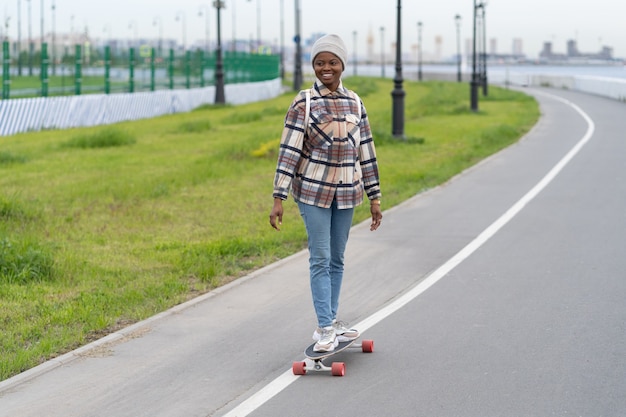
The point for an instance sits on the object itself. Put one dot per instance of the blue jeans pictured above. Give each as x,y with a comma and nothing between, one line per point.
327,230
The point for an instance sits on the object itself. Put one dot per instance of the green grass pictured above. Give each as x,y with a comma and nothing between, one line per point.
33,81
105,138
30,85
102,227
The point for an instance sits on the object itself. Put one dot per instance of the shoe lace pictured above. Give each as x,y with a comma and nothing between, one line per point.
341,325
327,335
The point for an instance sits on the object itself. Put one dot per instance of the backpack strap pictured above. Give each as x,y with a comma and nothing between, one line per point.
358,103
307,109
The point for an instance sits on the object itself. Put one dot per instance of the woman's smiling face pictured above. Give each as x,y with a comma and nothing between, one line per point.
328,69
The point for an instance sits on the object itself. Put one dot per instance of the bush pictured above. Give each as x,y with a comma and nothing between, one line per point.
12,210
24,262
7,158
197,126
105,138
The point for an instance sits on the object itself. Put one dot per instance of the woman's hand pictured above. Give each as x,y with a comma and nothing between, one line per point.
276,215
377,215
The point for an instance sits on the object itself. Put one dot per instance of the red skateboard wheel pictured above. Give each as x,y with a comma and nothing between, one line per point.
299,368
338,369
367,346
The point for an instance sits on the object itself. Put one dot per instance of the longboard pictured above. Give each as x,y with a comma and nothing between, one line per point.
317,358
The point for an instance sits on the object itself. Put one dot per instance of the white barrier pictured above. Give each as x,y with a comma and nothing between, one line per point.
35,114
607,87
614,88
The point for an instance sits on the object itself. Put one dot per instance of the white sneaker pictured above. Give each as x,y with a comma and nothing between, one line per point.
326,339
344,332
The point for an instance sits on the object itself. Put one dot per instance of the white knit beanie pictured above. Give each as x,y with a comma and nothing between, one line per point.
332,44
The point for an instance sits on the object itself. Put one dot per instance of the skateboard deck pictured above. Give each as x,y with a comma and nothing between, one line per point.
315,359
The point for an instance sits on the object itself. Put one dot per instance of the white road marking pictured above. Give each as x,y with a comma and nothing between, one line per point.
287,378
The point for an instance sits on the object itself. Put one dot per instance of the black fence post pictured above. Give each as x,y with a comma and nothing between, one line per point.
78,70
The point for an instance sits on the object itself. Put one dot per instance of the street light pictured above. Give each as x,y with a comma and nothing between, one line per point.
457,20
233,43
54,44
474,82
181,17
398,93
419,51
220,97
155,21
206,27
483,75
297,77
258,22
382,52
19,38
282,39
30,39
133,25
41,20
354,33
72,37
107,29
6,28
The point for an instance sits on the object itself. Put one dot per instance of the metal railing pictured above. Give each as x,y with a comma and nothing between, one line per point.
80,70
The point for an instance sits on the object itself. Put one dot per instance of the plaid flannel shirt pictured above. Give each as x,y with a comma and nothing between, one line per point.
335,159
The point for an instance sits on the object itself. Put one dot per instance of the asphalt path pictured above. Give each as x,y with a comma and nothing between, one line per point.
500,293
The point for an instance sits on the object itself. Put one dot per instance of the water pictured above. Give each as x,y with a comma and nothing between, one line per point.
607,71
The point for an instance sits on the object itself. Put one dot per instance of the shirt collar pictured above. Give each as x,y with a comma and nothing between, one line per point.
324,91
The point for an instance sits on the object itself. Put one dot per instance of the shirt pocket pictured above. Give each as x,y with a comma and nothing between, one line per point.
352,119
353,130
321,131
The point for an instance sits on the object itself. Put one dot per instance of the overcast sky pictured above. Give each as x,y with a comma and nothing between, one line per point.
592,23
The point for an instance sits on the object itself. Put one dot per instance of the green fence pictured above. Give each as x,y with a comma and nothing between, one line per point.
6,66
108,70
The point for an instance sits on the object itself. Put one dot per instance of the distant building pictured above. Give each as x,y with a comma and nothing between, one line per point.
548,53
573,53
606,53
438,47
518,47
370,45
493,46
572,49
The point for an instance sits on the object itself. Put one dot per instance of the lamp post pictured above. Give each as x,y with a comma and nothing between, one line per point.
483,74
6,28
180,16
206,25
155,21
398,93
220,98
233,44
354,34
107,30
133,25
54,43
41,27
19,38
258,22
282,39
475,81
30,39
297,76
419,51
457,20
382,52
